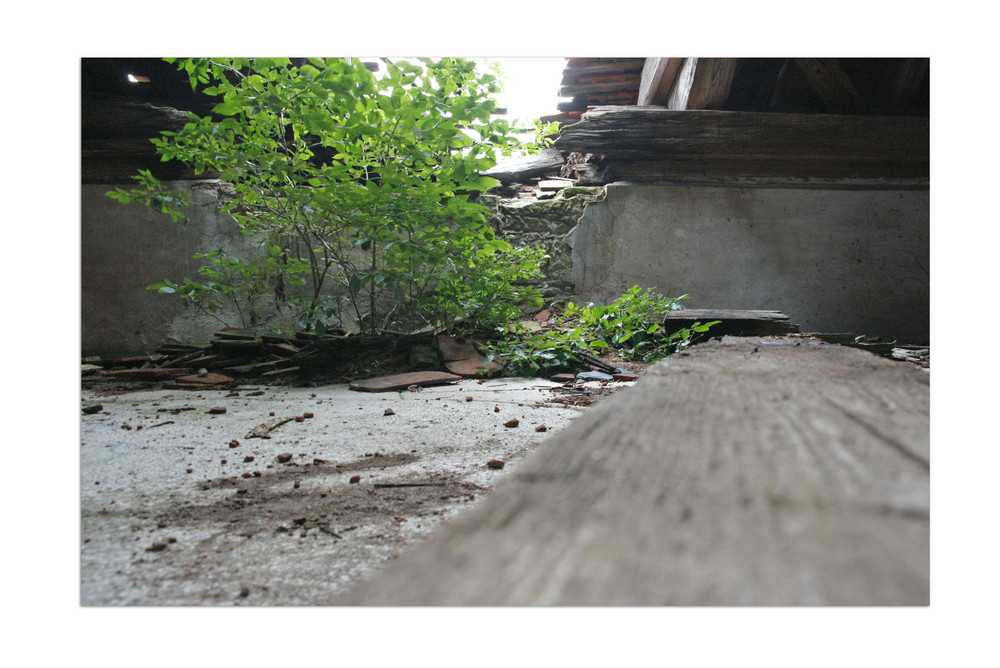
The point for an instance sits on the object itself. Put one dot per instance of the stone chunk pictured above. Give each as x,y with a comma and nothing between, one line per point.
461,357
594,375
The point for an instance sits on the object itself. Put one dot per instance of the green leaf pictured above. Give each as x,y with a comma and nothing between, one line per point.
228,107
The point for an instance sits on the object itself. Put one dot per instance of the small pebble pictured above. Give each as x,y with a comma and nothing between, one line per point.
495,464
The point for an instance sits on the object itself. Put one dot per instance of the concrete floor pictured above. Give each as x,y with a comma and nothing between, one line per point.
180,507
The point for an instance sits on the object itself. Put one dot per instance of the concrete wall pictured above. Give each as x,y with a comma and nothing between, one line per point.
125,248
835,260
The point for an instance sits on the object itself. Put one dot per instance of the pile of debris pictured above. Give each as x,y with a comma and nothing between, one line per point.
244,353
370,363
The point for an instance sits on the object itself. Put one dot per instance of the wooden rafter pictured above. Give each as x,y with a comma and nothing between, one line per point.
831,84
712,82
658,76
702,83
907,81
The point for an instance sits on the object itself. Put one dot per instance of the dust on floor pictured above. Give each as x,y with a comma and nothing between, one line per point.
179,506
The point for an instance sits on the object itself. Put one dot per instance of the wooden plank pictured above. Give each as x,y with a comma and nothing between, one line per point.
523,167
713,78
572,74
702,83
732,322
629,83
681,90
831,84
658,76
748,472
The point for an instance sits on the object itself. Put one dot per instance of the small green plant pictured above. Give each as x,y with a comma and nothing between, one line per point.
632,325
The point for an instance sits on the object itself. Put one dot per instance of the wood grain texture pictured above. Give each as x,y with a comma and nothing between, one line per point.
758,471
754,144
712,83
658,75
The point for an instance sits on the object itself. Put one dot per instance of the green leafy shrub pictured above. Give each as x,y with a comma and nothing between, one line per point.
632,325
364,185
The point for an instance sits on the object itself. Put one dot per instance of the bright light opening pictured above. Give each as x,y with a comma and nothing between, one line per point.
136,79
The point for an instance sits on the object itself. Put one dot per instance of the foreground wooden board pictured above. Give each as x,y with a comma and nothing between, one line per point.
758,471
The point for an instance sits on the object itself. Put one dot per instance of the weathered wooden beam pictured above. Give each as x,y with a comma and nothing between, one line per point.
741,142
831,84
760,472
658,76
519,168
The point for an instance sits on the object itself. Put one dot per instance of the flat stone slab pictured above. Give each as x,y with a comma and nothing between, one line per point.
404,380
207,379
